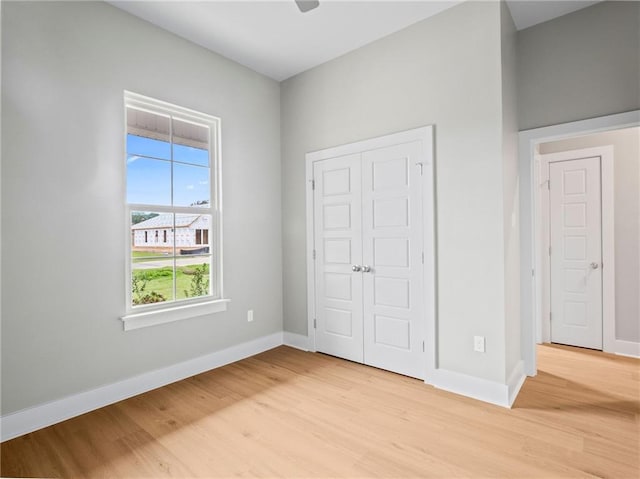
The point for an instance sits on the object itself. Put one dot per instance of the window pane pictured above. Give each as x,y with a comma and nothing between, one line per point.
152,281
151,234
190,143
138,145
191,185
188,154
148,181
193,276
148,134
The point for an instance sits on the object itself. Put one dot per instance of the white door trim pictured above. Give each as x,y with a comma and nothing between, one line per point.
425,136
529,259
543,323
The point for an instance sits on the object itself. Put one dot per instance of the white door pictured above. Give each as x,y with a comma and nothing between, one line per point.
368,267
338,245
576,252
392,256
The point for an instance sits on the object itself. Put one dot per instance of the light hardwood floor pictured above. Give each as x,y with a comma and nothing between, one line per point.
291,413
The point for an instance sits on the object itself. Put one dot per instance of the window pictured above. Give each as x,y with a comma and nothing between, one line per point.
202,236
173,185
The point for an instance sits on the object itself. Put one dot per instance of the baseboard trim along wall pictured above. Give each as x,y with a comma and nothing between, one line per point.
297,341
482,389
627,348
31,419
515,381
37,417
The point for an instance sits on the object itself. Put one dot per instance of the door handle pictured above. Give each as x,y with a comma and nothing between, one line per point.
356,268
594,265
366,269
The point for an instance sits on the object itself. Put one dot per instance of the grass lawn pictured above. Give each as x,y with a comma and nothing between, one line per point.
160,280
139,256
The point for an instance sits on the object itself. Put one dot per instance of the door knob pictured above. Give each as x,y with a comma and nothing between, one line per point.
594,265
366,269
356,268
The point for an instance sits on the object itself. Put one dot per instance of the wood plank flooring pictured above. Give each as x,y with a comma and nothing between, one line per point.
288,413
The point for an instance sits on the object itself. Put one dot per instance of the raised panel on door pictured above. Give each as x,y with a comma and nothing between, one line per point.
392,248
576,242
338,245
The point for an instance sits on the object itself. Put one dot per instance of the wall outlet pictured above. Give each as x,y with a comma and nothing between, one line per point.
479,344
250,315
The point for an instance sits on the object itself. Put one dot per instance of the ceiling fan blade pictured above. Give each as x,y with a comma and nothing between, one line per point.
306,5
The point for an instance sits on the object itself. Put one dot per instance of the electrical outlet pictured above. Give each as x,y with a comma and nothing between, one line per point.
479,344
250,315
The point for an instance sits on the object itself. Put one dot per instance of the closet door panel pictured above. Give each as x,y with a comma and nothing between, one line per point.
338,243
392,259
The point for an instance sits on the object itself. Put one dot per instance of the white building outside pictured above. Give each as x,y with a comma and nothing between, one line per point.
157,233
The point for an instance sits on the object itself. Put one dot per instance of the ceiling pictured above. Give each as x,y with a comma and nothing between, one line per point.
274,38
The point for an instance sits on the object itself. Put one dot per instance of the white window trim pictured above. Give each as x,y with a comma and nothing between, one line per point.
144,319
160,313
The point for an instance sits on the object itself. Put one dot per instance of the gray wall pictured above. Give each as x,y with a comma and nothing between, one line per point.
511,198
64,69
582,65
444,71
626,169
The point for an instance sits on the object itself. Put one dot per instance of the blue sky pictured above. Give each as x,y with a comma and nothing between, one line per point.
149,173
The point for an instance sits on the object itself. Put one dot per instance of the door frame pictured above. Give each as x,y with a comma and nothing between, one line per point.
607,230
425,136
530,286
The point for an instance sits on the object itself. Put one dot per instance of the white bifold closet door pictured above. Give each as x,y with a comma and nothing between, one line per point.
369,259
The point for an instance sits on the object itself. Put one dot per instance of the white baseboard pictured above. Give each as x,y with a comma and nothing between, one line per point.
37,417
297,341
627,348
34,418
481,389
515,382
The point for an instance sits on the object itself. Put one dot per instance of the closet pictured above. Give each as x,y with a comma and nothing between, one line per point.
368,250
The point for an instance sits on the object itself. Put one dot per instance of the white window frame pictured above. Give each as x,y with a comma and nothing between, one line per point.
158,313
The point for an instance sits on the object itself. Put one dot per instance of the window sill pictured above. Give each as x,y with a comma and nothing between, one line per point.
177,313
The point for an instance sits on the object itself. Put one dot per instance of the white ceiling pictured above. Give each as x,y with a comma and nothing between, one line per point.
527,13
274,38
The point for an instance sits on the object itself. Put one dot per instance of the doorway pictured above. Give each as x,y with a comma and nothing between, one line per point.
618,332
370,224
